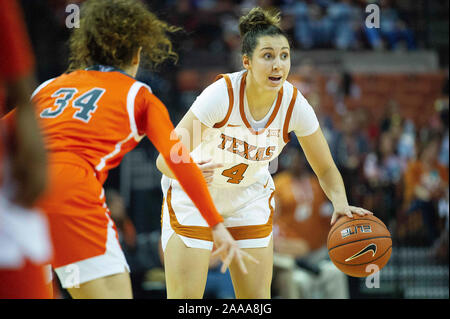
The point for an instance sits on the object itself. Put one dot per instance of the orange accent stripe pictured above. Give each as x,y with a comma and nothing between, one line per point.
162,210
197,232
241,107
254,231
288,116
204,233
230,99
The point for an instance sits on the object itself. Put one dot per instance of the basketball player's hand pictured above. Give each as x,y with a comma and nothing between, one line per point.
227,249
348,211
207,169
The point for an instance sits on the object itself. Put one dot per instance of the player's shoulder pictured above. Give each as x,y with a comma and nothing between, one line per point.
225,80
42,86
141,87
290,88
300,101
218,88
236,76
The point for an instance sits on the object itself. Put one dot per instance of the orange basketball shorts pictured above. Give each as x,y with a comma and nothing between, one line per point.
81,229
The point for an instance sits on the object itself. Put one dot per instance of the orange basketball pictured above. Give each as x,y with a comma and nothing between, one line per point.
359,246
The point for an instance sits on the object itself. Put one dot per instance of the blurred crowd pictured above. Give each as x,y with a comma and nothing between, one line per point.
312,24
212,25
393,165
210,39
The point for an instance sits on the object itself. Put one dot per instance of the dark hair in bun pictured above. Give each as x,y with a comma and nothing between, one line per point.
258,22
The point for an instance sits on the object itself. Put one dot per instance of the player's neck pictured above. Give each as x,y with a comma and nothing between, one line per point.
257,97
130,70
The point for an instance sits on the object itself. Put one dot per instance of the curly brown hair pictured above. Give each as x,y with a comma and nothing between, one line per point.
111,32
256,23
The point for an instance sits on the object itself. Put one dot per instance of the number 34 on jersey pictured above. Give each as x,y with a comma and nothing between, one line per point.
86,104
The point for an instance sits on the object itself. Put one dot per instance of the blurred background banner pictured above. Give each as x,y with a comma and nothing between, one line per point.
381,96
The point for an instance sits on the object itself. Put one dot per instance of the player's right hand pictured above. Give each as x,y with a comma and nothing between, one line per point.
227,248
207,169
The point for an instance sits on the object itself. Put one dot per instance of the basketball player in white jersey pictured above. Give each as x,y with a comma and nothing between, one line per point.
245,120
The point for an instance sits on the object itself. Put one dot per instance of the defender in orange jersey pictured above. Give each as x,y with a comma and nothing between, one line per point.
91,117
24,240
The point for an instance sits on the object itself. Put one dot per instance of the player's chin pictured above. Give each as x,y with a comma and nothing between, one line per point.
274,86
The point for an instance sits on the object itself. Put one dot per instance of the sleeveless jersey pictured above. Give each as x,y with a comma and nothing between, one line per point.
244,152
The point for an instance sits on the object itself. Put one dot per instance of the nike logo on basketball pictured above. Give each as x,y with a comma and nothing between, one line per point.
370,247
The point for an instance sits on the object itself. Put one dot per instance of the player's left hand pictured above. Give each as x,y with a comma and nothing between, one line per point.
207,168
348,211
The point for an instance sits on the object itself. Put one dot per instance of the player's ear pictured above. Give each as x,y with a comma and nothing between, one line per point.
246,62
137,57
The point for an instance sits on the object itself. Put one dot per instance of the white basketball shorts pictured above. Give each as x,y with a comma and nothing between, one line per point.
247,212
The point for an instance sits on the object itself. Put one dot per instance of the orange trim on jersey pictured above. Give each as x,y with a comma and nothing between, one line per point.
254,231
197,232
204,233
230,99
288,116
241,107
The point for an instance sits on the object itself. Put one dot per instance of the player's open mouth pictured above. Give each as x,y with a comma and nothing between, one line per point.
275,79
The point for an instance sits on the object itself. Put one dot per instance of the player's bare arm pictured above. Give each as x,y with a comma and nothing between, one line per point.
319,157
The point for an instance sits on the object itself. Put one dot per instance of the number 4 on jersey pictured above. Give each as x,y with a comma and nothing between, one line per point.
86,103
235,173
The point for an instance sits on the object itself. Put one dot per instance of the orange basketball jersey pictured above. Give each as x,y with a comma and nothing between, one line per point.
93,117
95,111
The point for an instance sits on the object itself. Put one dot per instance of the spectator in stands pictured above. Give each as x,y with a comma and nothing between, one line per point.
313,27
351,146
302,268
406,146
383,171
426,181
391,119
341,14
444,150
440,247
393,31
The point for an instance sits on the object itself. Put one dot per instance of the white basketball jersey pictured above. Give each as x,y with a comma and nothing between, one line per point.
245,152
